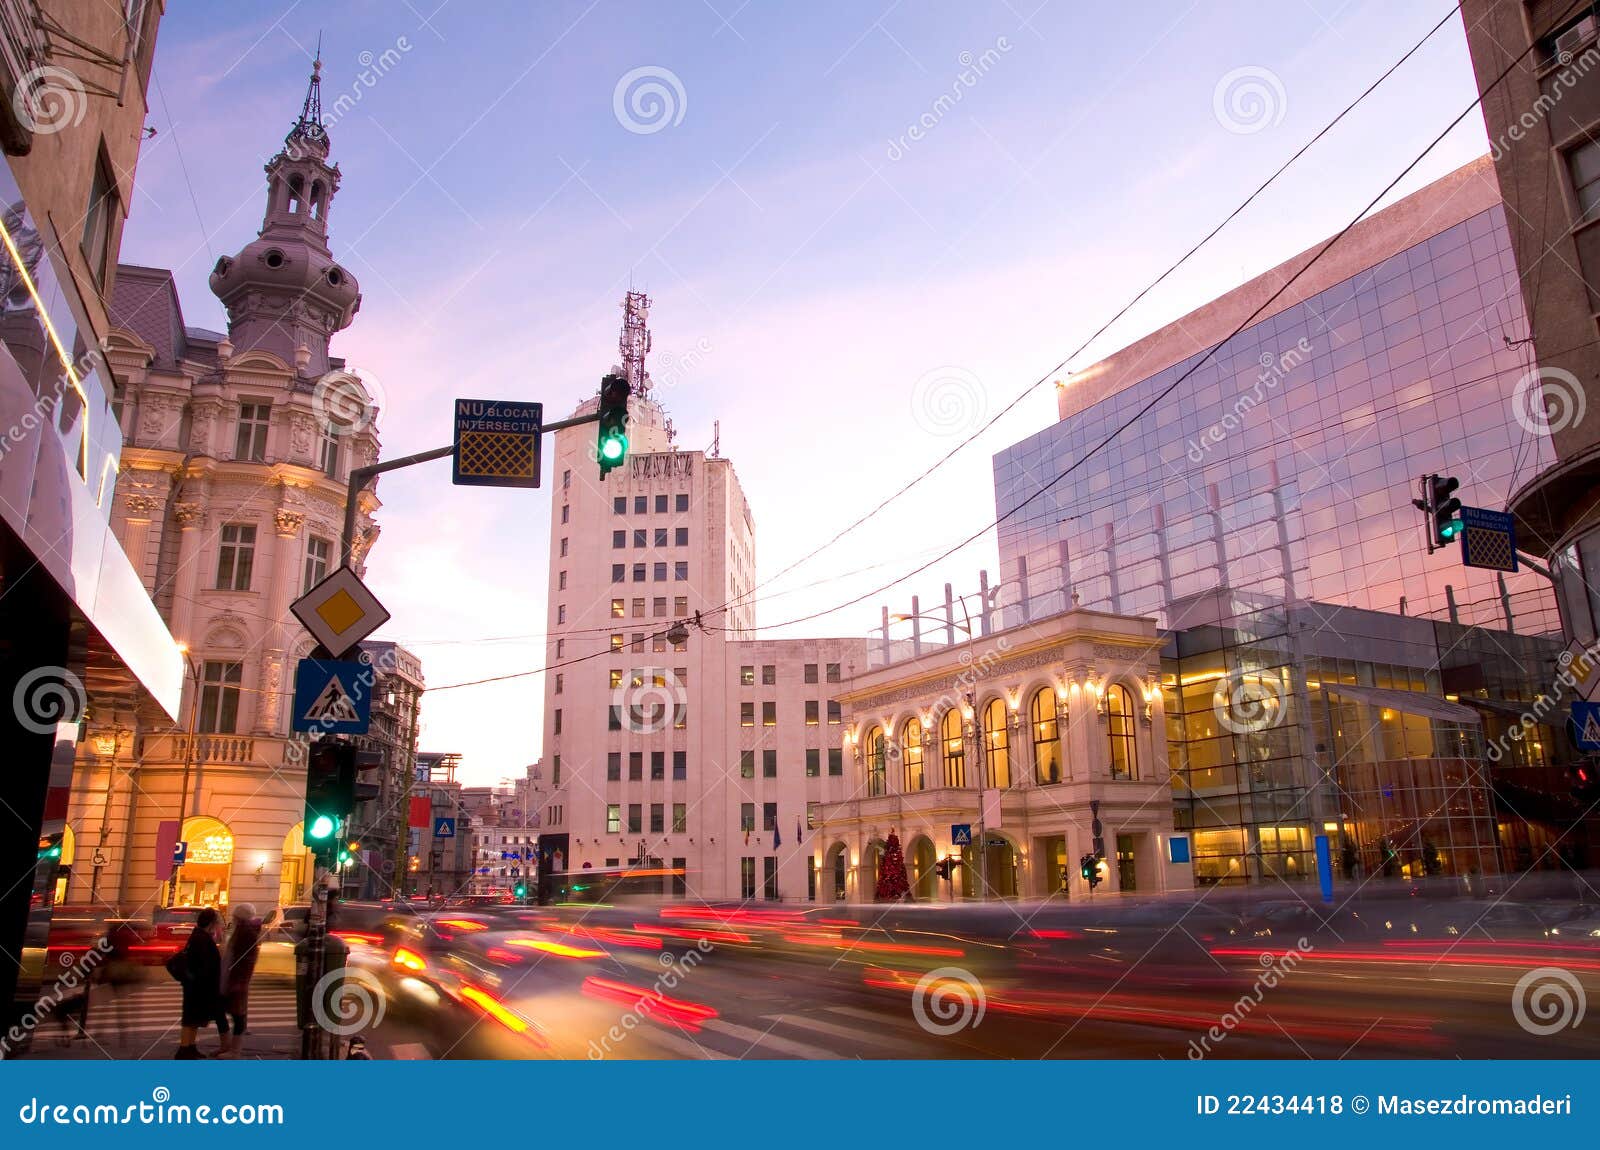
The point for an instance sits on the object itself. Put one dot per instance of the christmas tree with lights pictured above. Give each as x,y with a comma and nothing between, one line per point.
892,884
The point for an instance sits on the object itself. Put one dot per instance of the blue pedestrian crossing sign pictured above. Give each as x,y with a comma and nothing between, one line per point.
1586,726
332,697
961,834
444,828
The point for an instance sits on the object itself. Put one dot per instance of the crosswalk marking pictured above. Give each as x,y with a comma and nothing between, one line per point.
757,1040
834,1030
686,1047
153,1009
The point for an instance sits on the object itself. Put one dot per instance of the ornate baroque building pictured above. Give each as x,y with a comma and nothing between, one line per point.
229,504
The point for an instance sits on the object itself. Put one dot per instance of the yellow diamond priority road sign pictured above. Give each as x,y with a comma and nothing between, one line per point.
340,612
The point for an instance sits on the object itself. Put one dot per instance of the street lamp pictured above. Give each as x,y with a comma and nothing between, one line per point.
192,671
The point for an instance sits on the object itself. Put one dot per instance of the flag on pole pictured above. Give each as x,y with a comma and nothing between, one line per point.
777,839
799,836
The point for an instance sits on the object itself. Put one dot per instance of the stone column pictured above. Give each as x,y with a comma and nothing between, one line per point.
285,589
190,517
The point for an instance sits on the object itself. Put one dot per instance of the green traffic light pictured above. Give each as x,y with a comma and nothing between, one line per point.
321,827
613,448
1450,530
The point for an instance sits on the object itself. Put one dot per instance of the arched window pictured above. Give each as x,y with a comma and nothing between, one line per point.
1119,728
316,200
954,748
1046,737
297,188
877,769
996,754
911,755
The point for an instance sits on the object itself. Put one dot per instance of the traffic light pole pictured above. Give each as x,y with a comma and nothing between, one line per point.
361,476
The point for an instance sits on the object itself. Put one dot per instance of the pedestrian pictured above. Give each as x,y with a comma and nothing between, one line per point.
238,967
198,967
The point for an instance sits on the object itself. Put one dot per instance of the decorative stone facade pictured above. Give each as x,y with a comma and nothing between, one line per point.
1031,737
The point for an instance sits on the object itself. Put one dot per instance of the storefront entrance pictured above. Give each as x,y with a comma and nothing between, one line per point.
207,867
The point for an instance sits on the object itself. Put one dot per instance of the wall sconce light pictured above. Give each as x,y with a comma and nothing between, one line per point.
105,745
1149,710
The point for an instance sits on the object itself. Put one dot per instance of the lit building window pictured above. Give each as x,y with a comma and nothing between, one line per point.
911,755
1119,729
1046,740
996,752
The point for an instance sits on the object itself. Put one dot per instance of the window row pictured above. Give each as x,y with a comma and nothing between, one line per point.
641,504
769,763
658,812
919,749
236,558
250,438
657,572
769,674
769,713
658,642
645,537
658,607
658,765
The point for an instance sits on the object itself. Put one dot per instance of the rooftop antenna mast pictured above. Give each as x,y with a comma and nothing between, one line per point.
635,341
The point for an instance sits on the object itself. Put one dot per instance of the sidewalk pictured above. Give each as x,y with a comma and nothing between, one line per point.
48,1047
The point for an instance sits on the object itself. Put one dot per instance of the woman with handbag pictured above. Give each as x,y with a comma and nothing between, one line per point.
198,967
238,968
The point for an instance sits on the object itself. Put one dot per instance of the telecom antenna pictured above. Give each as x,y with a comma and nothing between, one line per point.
635,341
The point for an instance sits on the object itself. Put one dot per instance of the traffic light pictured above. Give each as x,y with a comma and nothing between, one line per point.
50,847
1585,782
520,891
330,794
1442,508
611,448
1089,868
944,867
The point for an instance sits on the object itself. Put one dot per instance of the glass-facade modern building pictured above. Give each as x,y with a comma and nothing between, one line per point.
1324,674
1286,463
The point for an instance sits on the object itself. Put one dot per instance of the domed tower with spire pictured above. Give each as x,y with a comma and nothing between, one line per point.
284,292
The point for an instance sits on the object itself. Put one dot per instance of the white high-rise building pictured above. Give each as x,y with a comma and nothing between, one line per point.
713,753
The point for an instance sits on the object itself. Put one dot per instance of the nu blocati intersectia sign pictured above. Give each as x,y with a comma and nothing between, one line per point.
497,443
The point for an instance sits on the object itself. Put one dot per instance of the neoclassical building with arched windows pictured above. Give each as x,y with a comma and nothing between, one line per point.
1029,736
